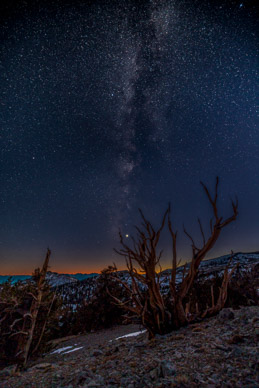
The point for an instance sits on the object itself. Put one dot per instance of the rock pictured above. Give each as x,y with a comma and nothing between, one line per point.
167,369
164,369
97,381
92,384
84,376
124,381
199,350
222,347
154,373
226,314
236,352
174,362
140,344
132,350
114,375
8,371
88,373
178,355
235,339
42,366
96,353
182,379
176,337
197,329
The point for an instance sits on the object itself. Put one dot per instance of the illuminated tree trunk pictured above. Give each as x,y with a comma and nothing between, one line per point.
143,260
36,304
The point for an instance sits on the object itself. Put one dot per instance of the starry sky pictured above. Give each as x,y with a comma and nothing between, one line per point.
111,106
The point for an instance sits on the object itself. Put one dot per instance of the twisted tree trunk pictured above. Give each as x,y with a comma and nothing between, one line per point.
35,306
150,305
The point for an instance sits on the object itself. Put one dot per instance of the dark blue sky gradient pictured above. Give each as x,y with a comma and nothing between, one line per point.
107,106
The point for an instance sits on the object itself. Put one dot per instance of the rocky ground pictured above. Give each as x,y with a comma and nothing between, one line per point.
219,352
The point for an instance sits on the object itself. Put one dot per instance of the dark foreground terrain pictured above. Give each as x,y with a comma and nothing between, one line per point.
219,352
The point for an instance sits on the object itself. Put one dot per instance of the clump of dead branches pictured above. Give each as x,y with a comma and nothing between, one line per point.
161,314
25,309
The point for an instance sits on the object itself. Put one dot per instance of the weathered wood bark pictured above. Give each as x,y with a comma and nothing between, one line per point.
45,324
24,314
145,298
36,304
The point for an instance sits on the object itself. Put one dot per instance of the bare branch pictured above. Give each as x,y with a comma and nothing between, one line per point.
194,248
19,332
202,233
142,259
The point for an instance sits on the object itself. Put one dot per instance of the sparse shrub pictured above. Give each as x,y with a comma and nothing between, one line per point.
243,288
201,293
100,311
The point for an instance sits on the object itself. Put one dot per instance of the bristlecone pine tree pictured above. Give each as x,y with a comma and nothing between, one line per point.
22,324
158,313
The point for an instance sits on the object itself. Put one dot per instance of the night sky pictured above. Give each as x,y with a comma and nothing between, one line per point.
108,106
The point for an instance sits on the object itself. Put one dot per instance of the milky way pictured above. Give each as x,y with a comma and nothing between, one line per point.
110,106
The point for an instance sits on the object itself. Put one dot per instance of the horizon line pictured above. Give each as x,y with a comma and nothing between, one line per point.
98,272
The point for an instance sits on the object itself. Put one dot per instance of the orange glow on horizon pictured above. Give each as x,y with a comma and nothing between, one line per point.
66,270
12,267
73,271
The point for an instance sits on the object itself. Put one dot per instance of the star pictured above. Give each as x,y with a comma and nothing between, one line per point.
108,109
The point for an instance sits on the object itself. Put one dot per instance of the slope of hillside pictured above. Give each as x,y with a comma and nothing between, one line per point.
75,291
73,294
219,352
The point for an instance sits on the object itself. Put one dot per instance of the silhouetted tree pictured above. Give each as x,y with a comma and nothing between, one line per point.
100,311
146,301
25,310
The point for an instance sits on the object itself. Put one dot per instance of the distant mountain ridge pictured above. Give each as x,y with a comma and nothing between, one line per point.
54,278
207,266
210,267
74,293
